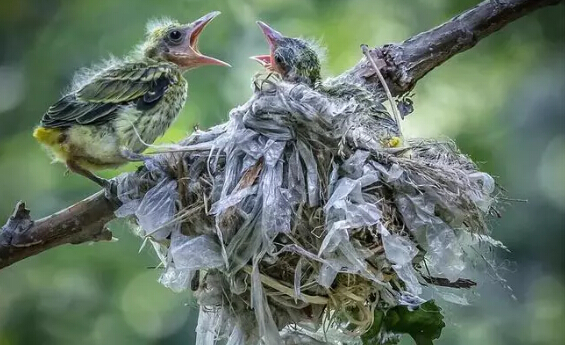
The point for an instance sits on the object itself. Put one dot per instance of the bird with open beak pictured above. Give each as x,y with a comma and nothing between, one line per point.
112,113
296,60
293,58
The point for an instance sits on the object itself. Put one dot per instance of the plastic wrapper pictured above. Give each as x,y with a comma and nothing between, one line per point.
443,250
157,209
268,331
128,192
297,186
237,337
232,199
195,252
346,209
276,210
209,325
483,199
326,276
176,280
400,252
312,175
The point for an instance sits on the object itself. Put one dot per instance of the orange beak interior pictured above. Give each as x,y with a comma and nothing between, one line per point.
192,57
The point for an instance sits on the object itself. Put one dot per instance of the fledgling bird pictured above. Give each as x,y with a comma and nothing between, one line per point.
296,60
110,116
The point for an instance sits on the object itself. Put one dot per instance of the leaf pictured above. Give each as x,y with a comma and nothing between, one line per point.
370,337
423,324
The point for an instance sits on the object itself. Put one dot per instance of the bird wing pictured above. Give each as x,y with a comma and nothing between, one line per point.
97,101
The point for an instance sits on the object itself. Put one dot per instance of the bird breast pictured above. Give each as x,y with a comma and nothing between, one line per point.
139,128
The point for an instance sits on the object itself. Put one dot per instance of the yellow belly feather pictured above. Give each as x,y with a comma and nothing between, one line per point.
87,146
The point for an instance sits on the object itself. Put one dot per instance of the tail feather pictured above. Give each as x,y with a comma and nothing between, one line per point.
47,136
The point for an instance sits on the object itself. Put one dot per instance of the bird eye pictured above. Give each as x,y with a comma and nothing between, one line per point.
175,35
278,59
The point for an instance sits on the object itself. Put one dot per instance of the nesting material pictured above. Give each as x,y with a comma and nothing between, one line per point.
292,232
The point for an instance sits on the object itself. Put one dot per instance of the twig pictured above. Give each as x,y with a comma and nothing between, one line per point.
365,50
461,283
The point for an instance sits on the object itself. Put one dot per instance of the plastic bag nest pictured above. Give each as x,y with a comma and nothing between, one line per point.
293,224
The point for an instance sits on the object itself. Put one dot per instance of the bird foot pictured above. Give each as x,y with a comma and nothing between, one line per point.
132,156
147,160
110,188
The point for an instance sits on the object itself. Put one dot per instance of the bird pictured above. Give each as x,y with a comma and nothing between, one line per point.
114,111
369,126
294,59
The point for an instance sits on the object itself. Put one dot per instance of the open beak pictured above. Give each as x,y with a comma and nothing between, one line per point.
192,57
272,36
264,60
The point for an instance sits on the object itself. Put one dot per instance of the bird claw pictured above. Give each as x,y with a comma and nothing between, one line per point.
110,188
132,156
148,161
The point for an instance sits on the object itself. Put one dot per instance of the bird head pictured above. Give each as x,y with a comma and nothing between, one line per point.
293,58
167,40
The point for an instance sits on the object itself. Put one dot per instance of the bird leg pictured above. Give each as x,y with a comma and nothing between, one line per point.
74,167
110,188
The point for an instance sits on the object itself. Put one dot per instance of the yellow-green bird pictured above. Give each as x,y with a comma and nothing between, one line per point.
113,112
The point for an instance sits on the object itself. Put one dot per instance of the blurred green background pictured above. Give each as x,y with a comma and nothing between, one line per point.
503,102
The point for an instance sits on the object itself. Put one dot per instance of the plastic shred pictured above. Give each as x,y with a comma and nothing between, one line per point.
195,252
157,210
268,331
176,280
444,252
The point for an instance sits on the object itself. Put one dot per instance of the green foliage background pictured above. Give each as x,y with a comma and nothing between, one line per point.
503,101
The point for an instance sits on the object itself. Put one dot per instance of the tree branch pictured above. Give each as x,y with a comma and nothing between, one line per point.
404,64
85,221
409,61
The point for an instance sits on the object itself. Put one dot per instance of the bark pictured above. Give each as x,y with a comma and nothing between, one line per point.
85,221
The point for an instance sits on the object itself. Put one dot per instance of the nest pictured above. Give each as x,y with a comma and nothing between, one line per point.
292,226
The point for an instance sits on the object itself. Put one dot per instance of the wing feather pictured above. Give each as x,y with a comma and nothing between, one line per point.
98,101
